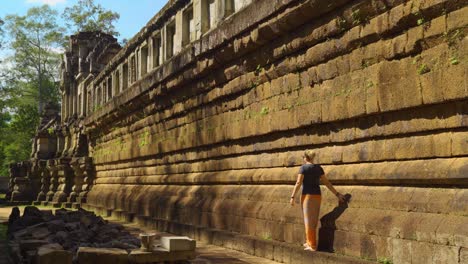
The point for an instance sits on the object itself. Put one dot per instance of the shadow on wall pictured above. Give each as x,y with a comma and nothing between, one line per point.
328,226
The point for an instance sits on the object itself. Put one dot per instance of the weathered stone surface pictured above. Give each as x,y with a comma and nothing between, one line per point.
159,255
211,136
87,255
174,243
61,235
49,254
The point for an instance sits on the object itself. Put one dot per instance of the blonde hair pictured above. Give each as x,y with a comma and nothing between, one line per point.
309,155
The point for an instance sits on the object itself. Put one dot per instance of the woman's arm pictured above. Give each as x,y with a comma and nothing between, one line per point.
327,183
300,178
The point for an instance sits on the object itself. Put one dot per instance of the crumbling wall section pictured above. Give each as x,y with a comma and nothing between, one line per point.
213,137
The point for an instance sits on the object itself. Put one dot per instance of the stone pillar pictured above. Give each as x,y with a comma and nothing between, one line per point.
82,181
21,189
45,183
60,144
178,32
53,180
35,172
64,179
14,172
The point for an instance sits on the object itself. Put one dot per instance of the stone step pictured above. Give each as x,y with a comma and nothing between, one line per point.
264,248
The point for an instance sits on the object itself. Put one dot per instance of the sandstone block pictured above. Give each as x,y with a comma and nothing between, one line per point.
455,78
175,243
422,252
432,87
87,255
444,254
396,92
464,255
53,255
457,19
401,250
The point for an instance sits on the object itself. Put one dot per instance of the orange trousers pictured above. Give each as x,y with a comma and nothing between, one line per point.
310,209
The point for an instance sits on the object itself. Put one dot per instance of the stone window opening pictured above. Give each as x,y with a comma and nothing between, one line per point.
117,82
125,76
208,14
170,37
156,50
188,27
137,64
144,60
132,70
80,101
98,97
229,7
104,92
109,88
90,100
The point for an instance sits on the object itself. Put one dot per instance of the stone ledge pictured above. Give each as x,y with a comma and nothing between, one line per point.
449,172
138,256
277,251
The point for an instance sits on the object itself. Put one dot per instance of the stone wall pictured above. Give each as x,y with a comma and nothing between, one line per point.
210,137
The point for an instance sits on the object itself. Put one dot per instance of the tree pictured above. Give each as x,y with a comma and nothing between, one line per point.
87,16
1,32
28,79
36,41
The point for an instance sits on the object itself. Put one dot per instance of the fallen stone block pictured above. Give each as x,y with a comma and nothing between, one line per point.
53,254
88,255
31,244
178,243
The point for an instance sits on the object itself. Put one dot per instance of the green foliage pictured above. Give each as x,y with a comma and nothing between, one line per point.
341,23
452,37
423,68
267,236
144,139
420,21
454,60
87,16
16,134
264,110
385,261
36,41
28,79
357,17
259,69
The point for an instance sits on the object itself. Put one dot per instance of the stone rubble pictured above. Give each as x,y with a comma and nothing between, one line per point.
39,236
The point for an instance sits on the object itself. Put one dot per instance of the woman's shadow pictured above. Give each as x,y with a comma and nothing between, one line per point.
328,226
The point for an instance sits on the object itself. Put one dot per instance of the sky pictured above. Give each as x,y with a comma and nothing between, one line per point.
134,14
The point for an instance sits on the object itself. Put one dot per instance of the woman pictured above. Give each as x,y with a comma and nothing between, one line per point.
309,177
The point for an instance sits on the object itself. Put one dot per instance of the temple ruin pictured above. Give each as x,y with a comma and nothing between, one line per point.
197,126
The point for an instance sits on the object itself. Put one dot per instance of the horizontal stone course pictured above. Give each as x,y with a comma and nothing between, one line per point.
359,63
212,139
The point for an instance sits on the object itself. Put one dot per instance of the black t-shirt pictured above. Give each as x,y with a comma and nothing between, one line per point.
311,182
